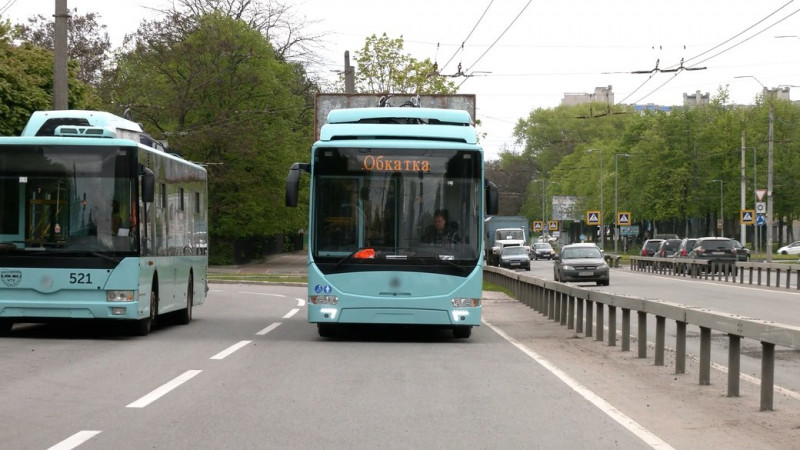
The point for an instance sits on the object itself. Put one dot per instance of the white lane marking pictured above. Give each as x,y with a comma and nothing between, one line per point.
300,302
223,354
268,329
75,440
164,389
260,293
291,313
634,427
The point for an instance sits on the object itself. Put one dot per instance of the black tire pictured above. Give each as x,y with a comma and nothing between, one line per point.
185,315
462,332
5,326
142,327
528,268
326,330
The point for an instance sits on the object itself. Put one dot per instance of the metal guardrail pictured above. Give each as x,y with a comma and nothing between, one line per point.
742,272
564,303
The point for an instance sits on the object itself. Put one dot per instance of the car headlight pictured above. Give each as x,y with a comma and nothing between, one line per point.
568,267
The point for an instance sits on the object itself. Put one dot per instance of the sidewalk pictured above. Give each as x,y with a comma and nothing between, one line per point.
282,263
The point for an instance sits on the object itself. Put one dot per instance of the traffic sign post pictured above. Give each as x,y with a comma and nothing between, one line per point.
747,216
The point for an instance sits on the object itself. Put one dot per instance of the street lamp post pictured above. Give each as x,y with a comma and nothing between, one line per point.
616,205
602,219
721,222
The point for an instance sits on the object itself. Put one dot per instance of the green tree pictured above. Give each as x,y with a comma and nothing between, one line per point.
88,42
214,87
26,83
383,67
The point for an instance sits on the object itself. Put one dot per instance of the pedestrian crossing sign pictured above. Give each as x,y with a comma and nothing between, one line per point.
552,225
593,218
537,225
747,216
623,218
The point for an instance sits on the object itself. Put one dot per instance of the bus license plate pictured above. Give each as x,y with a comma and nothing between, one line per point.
585,274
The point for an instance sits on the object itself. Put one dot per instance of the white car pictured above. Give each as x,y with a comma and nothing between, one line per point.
791,249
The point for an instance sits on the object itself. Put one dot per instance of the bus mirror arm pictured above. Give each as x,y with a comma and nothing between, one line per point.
148,185
492,198
293,182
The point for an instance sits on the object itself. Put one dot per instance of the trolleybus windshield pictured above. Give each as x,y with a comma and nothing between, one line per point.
374,206
67,200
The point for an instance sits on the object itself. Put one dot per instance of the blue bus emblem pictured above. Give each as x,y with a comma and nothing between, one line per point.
11,278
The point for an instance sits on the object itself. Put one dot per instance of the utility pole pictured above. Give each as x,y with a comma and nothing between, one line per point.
616,205
602,219
771,93
349,75
742,227
60,56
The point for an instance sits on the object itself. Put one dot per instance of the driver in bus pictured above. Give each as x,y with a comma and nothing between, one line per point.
442,231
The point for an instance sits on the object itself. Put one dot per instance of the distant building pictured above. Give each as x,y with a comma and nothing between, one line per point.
601,95
696,99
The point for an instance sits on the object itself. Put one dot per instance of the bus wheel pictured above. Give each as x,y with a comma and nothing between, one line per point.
462,332
5,326
143,326
326,330
185,315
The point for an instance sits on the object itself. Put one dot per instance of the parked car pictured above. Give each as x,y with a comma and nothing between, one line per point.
791,249
542,250
650,246
665,236
581,262
686,246
742,252
718,250
667,248
515,258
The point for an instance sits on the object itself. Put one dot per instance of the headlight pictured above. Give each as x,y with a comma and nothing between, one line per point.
119,296
568,267
465,302
323,299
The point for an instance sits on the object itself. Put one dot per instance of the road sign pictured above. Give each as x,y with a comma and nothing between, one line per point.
593,218
623,218
761,220
552,225
760,194
747,216
761,207
537,225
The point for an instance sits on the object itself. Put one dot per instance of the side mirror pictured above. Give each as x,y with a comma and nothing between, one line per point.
293,183
492,198
148,185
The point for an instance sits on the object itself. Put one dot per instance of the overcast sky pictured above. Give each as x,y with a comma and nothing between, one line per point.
536,51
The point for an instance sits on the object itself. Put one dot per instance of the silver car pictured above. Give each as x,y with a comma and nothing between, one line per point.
581,262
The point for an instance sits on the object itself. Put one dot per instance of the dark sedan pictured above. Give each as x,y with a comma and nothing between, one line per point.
543,250
581,262
515,258
719,251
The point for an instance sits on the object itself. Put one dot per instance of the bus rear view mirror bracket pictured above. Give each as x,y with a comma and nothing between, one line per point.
293,182
148,185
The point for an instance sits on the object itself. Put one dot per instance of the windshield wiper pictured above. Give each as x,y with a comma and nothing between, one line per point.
106,257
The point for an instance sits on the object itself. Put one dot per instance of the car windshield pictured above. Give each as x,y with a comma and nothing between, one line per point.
514,251
584,252
543,247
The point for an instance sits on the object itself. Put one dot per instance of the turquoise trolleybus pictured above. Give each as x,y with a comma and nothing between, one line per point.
381,179
98,222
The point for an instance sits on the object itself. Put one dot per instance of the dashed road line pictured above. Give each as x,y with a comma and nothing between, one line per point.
269,328
164,389
228,351
75,440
